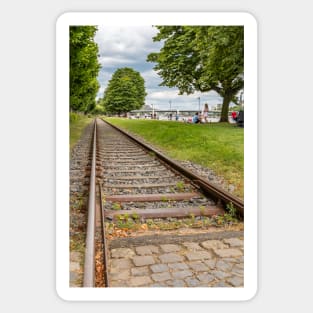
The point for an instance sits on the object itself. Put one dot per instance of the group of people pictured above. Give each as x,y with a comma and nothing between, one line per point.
202,117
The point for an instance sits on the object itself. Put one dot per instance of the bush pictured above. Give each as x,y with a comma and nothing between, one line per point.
74,117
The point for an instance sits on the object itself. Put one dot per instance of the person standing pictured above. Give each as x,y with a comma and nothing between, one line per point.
206,112
234,115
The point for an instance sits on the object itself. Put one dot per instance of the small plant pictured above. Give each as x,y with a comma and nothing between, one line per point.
164,198
180,186
149,222
231,210
202,208
192,217
220,220
135,216
116,206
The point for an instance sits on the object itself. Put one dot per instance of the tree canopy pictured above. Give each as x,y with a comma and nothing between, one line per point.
202,58
125,91
84,68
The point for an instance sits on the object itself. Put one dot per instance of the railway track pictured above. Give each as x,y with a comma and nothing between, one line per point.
133,187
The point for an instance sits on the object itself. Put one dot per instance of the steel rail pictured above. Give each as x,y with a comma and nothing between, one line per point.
105,242
89,266
219,195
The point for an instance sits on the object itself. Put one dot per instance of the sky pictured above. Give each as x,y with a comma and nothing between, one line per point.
129,47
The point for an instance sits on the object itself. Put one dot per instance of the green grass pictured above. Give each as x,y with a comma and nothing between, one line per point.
218,146
77,125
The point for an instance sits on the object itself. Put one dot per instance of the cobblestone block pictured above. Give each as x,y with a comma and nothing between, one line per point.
140,271
192,282
161,276
176,283
143,260
227,253
178,266
157,268
118,283
74,276
74,266
75,256
119,264
220,274
182,274
221,284
235,281
139,281
238,269
159,285
171,258
147,250
234,242
232,260
122,253
205,277
121,275
170,248
223,266
213,244
198,266
210,263
198,255
193,246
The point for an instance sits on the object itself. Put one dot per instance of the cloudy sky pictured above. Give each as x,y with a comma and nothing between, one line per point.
128,47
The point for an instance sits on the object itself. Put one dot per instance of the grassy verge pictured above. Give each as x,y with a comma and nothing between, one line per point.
218,146
77,125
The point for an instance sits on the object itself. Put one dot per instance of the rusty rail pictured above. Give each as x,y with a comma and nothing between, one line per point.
105,242
89,266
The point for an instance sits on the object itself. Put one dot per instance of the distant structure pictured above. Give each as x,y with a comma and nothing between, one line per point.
146,107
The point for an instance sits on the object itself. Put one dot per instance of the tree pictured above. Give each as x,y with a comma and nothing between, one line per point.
125,91
201,58
84,68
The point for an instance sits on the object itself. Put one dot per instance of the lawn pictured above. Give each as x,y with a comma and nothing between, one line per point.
77,125
218,146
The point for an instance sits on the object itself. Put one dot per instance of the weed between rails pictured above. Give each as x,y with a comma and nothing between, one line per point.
125,224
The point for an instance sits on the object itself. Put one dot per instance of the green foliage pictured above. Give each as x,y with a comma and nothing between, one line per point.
74,117
77,124
116,206
202,58
231,210
180,186
84,68
125,92
98,110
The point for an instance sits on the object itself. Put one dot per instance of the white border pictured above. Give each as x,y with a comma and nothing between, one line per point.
62,162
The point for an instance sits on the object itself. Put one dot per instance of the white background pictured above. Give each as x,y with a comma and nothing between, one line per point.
27,165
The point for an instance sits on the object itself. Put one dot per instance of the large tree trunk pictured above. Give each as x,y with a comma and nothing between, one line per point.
225,107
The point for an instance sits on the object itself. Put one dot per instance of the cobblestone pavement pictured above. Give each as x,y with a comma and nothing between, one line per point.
209,263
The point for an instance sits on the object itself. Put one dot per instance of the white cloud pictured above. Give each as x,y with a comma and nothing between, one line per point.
160,95
113,61
125,40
